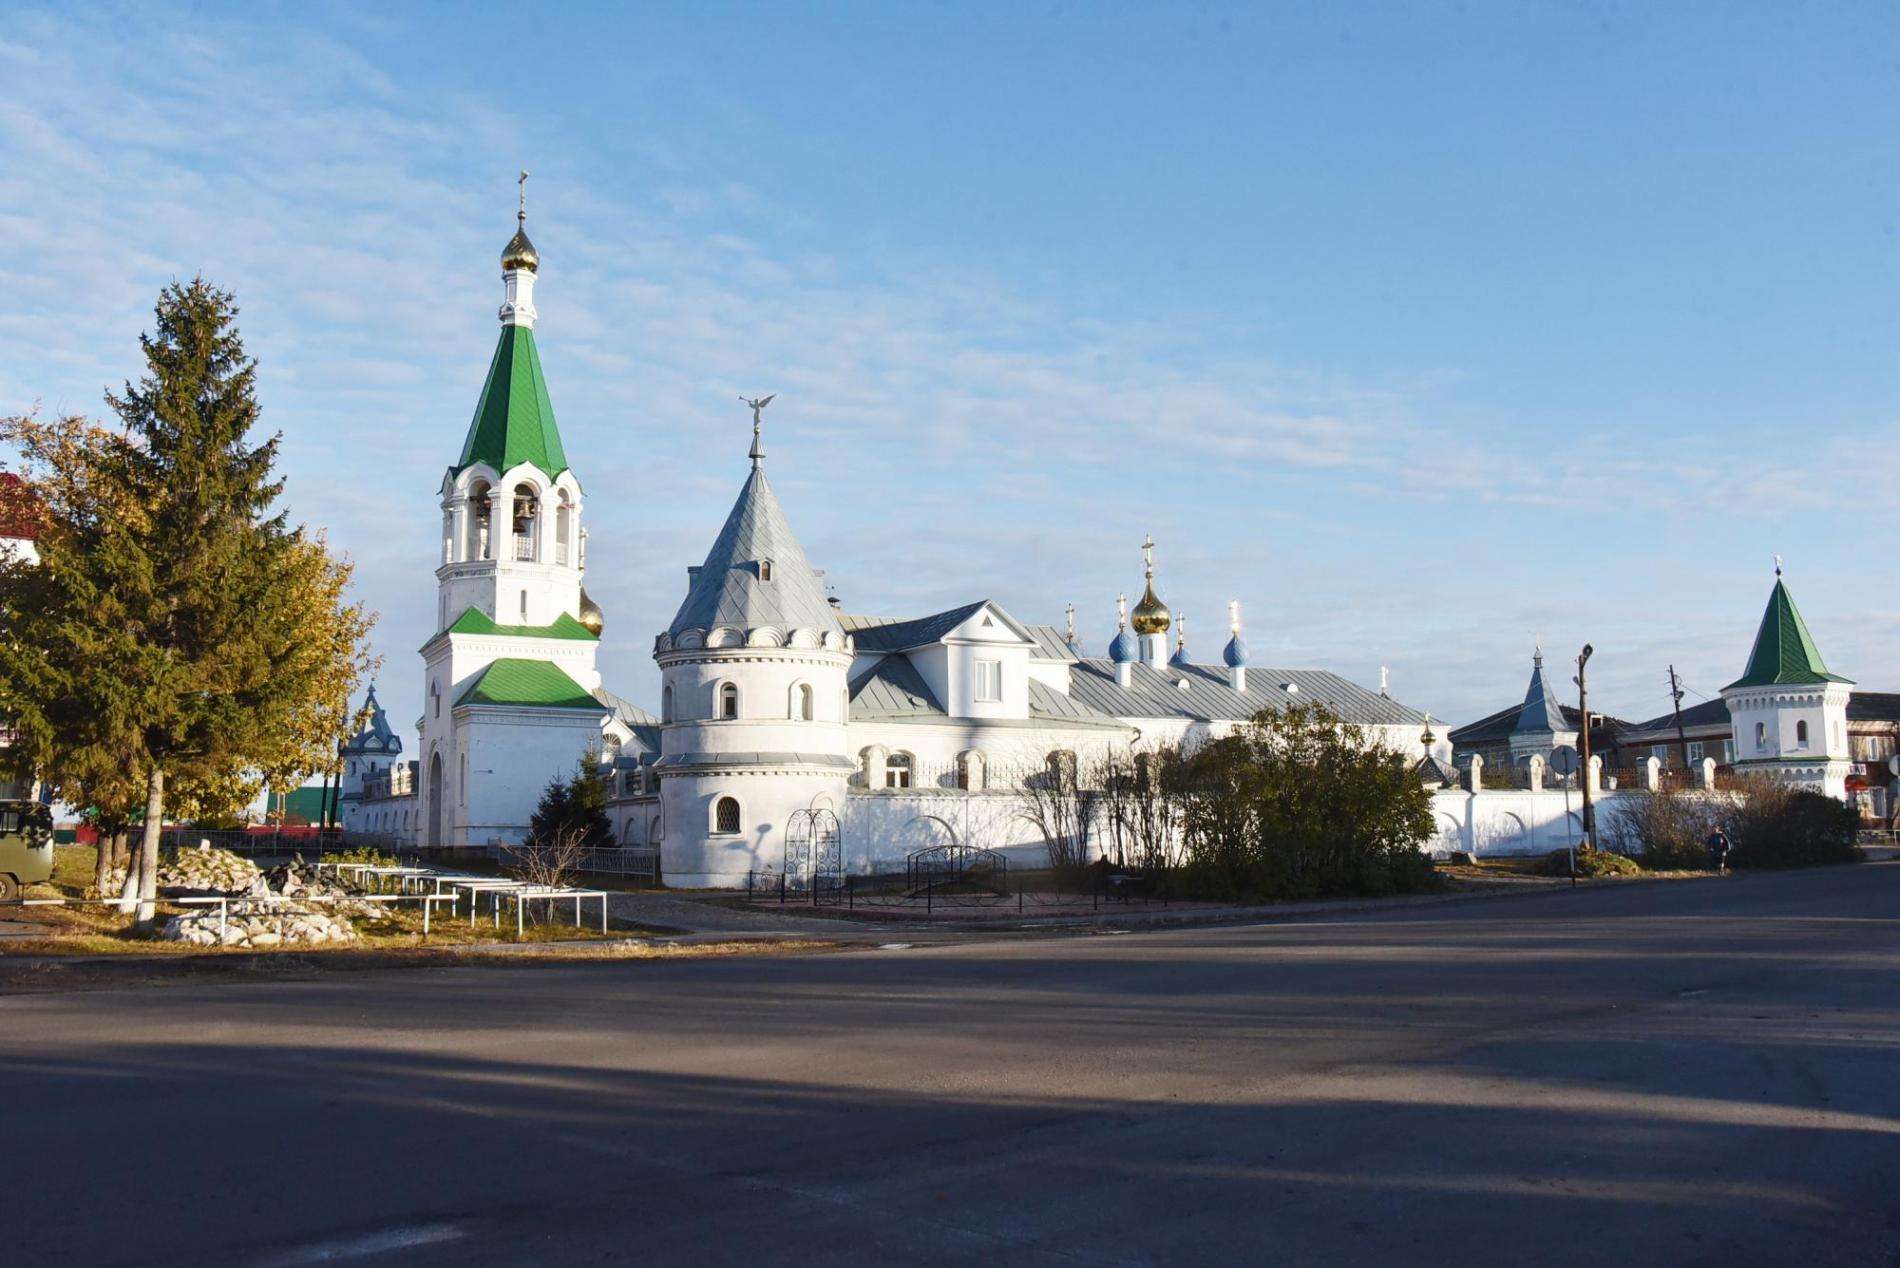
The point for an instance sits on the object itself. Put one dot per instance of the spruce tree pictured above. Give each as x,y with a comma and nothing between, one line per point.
182,626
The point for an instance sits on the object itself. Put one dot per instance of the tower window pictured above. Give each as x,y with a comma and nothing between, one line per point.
666,704
729,701
726,816
765,570
802,702
524,607
1801,734
1761,736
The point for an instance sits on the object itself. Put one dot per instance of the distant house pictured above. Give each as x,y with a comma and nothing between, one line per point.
19,519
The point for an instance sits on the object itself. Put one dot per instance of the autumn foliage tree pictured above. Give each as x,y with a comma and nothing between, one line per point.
177,629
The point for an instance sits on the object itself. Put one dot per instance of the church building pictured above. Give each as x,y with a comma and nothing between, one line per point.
785,722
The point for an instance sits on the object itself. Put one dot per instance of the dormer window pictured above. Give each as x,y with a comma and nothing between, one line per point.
989,681
765,570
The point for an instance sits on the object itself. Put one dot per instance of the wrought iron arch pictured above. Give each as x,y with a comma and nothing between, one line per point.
814,852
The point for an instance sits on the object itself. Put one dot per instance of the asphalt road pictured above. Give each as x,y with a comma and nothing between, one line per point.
1700,1072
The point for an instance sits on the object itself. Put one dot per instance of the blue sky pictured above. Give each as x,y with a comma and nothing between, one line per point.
1419,329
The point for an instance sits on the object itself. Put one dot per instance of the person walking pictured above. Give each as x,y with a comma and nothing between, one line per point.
1718,844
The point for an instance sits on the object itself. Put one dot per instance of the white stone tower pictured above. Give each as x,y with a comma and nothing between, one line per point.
753,698
1788,712
510,678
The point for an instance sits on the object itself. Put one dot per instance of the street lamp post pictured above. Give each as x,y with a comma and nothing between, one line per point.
1583,747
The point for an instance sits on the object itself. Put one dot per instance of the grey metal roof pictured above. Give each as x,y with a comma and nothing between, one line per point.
1051,645
726,589
1542,710
893,691
377,737
892,688
724,761
1045,702
624,709
1708,713
877,634
1208,696
1434,772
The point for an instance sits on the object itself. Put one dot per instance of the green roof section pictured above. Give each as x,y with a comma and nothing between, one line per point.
476,621
537,684
1784,650
514,420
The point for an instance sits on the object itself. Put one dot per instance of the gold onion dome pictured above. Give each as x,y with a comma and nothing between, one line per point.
1151,614
591,615
519,253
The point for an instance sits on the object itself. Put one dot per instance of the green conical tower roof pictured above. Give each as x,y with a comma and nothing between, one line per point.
514,420
1784,650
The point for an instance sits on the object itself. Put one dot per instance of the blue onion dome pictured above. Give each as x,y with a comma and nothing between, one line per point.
1180,658
1124,648
1235,653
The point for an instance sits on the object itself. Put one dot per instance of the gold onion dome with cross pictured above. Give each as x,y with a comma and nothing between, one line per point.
1151,614
520,253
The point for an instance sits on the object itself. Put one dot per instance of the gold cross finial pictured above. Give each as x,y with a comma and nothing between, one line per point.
1148,554
1233,615
1777,565
521,212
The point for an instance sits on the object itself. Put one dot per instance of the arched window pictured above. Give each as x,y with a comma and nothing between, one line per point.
526,517
970,775
1801,733
728,701
897,770
653,830
666,703
801,702
563,529
435,698
476,544
1761,736
765,570
726,816
463,776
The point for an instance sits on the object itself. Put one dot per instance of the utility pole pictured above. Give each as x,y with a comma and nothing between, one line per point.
1682,738
1583,747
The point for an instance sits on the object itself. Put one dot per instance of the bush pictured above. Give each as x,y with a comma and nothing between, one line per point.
1298,804
1590,863
1778,826
1663,831
368,855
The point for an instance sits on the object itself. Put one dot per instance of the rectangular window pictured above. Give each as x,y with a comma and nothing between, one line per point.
1695,754
989,681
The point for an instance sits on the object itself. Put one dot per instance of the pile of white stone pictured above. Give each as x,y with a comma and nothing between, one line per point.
248,921
201,870
257,925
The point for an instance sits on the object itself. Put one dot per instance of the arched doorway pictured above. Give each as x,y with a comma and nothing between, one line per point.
435,799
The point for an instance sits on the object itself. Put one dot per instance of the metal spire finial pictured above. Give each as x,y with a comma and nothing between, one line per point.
1777,565
757,452
1148,556
1233,615
1121,611
1068,613
521,212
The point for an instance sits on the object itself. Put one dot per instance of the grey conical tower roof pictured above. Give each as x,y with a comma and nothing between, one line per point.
1541,711
727,590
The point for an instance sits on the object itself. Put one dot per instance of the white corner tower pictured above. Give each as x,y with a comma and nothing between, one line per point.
1788,712
753,697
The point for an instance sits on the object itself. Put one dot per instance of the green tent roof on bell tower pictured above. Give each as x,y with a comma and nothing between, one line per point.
514,420
1784,650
